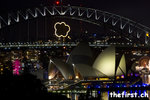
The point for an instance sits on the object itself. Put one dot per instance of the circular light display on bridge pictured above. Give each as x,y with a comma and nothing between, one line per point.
61,29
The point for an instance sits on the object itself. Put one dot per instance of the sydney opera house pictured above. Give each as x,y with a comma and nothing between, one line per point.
82,65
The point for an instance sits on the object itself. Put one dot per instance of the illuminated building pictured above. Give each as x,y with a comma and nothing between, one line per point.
16,67
81,65
143,68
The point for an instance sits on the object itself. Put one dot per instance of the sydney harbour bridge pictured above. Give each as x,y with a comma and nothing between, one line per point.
111,28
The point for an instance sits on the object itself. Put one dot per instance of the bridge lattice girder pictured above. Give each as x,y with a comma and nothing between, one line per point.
98,17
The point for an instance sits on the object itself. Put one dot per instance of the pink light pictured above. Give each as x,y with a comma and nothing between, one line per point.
16,67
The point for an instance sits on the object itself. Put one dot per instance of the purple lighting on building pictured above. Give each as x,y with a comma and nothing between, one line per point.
16,67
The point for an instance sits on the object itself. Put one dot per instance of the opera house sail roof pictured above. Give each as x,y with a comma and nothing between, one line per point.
65,69
122,66
105,62
81,61
81,54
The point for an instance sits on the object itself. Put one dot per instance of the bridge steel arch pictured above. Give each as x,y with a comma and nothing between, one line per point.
94,16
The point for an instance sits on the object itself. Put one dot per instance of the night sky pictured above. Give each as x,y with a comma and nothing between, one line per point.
137,10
